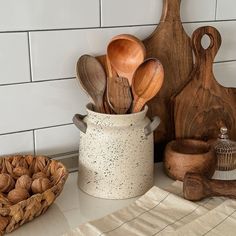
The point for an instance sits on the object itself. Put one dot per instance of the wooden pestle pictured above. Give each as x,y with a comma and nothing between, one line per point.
197,187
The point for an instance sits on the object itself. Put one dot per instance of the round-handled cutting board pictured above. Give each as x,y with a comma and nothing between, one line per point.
172,46
203,106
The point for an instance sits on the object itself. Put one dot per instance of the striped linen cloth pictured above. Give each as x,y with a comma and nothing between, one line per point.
165,212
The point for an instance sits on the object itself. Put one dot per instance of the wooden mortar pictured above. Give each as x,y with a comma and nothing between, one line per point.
186,155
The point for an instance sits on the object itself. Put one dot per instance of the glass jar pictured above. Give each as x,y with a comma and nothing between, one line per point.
225,151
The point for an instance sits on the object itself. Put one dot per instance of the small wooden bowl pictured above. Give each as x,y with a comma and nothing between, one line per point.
186,155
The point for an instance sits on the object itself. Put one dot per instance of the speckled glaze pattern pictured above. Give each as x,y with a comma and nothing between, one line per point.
115,156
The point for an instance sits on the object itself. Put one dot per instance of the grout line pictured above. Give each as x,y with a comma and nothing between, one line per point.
112,26
29,52
38,81
34,141
60,156
216,9
100,13
30,130
227,61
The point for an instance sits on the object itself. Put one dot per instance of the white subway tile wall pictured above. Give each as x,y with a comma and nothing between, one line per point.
40,42
14,58
60,139
17,143
226,10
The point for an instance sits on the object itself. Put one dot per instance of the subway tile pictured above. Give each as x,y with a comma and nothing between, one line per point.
227,30
56,140
201,10
14,58
21,143
139,12
226,10
54,14
225,73
132,12
42,104
54,54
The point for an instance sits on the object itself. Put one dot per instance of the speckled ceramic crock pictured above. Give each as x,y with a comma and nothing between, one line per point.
116,156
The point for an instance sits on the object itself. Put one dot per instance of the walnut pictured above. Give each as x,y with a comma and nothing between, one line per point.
19,171
24,182
39,175
7,183
40,185
17,195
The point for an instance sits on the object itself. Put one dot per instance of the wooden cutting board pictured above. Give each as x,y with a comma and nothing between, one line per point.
172,46
203,106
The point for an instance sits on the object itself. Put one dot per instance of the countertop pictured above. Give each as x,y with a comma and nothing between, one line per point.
74,207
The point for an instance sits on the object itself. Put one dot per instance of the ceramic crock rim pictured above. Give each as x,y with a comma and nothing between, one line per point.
142,112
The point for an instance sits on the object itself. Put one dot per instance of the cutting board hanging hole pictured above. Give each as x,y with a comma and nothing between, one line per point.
206,41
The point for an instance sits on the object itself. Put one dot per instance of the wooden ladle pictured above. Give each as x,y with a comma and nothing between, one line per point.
92,77
147,81
118,92
126,53
197,187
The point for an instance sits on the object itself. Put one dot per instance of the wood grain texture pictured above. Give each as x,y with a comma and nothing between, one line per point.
119,95
92,77
172,46
103,60
184,155
204,106
146,83
126,53
197,187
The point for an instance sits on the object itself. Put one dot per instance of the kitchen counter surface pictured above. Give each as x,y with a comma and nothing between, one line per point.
74,207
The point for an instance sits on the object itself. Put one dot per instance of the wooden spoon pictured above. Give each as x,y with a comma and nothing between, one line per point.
126,53
197,187
103,60
118,92
93,79
147,81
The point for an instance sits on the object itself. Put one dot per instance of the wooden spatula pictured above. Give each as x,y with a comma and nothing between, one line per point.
118,92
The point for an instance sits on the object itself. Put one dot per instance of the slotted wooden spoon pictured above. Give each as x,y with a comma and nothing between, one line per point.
118,92
93,79
147,81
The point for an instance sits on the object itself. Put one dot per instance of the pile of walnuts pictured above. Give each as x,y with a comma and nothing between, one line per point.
23,176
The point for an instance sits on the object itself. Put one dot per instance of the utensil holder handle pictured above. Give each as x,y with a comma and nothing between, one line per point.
79,123
155,121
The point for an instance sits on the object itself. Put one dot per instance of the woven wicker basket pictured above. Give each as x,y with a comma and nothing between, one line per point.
13,216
